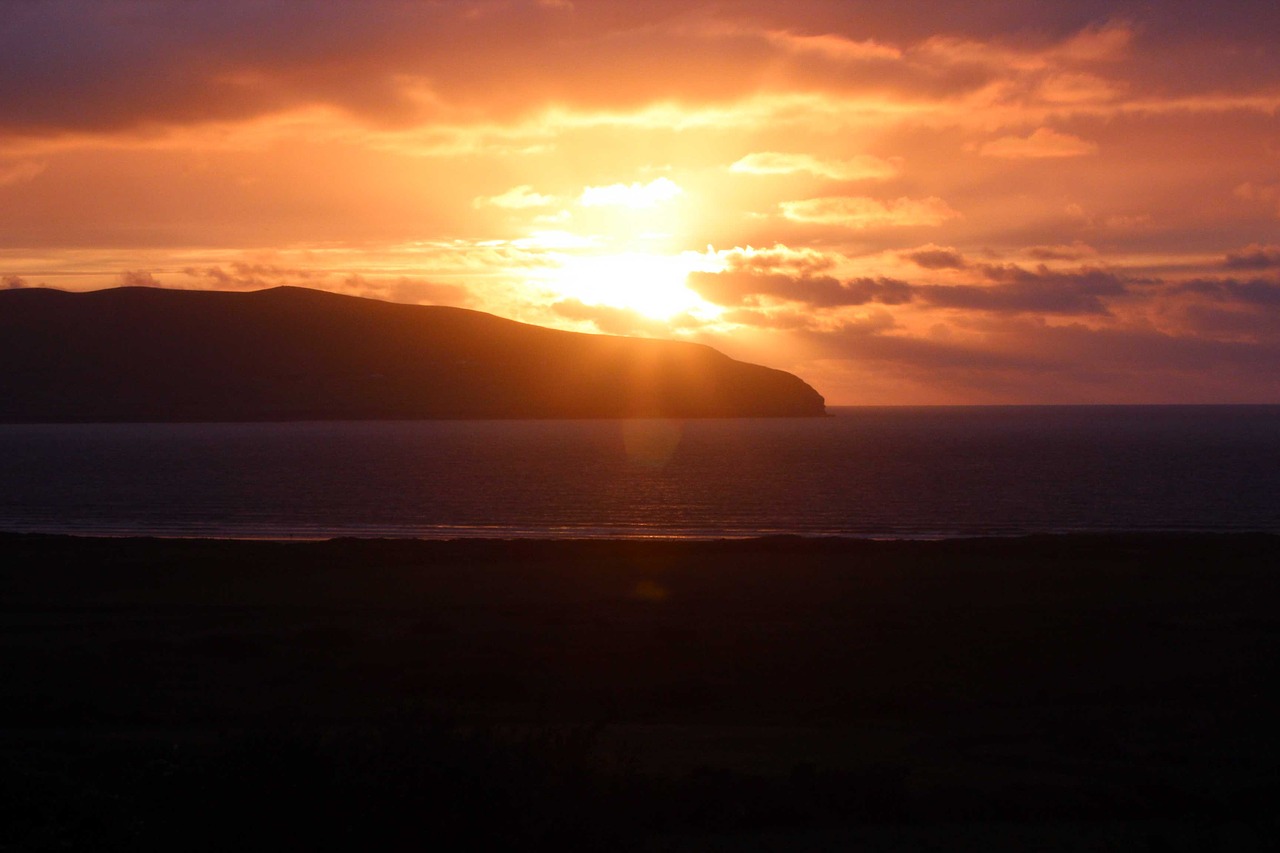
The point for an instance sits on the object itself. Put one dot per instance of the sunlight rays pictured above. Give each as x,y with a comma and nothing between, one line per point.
650,284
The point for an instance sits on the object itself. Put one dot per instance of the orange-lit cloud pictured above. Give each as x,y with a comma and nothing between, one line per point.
861,168
865,212
23,170
935,258
631,195
518,198
1042,142
1255,257
833,47
908,202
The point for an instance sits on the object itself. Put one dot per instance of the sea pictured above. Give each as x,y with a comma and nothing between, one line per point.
909,472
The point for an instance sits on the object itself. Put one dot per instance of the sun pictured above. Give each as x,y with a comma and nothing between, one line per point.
653,285
616,251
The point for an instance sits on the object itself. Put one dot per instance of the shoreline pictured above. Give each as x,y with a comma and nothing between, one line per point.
482,536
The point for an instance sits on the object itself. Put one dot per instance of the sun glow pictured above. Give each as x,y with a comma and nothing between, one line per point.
649,284
635,196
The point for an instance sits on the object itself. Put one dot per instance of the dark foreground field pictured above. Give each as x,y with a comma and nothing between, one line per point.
1057,693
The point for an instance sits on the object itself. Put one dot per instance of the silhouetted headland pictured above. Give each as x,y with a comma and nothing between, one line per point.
287,353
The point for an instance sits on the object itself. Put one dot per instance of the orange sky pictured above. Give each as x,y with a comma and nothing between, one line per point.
901,202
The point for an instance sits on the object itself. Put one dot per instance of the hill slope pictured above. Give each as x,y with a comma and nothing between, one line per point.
147,354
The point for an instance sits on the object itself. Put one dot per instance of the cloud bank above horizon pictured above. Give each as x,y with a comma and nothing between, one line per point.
903,203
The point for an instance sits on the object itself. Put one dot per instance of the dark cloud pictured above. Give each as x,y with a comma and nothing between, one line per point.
739,287
935,258
1015,291
1022,298
1145,350
1074,252
1027,360
78,65
1254,257
1255,291
929,354
1040,291
81,64
13,282
1234,321
885,291
138,278
90,65
1093,279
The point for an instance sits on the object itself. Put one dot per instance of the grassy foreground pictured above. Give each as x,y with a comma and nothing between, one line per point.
1055,693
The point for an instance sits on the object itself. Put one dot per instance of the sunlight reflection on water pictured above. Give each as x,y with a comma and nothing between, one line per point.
651,443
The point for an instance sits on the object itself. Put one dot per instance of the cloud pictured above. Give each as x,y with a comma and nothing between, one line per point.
1256,291
1042,143
861,168
380,141
516,198
13,282
138,278
1128,221
779,257
781,320
610,320
635,195
1143,350
241,275
744,287
939,358
1078,89
142,69
1012,289
863,212
1230,322
19,172
253,276
1025,359
1072,252
1249,191
407,289
1106,43
1254,257
1090,45
874,321
1093,277
834,47
1021,298
935,258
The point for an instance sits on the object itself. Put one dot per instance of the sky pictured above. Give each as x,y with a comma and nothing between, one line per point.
902,203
